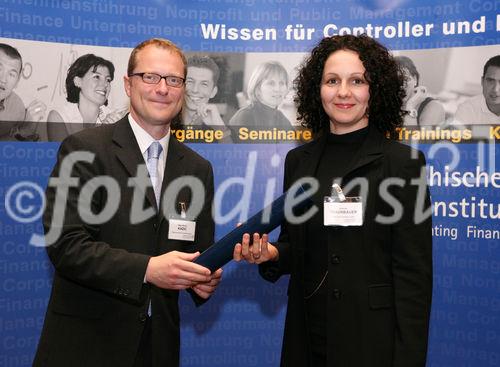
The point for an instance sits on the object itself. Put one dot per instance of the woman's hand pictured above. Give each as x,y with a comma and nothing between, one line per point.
257,252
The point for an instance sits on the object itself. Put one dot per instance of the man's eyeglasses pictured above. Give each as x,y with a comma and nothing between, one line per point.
152,78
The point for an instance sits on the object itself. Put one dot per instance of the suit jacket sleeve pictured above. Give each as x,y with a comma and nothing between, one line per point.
76,254
412,267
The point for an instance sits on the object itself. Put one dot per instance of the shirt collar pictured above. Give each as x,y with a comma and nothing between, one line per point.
144,139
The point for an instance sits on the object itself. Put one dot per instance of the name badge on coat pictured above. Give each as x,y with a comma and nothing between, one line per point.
181,228
341,210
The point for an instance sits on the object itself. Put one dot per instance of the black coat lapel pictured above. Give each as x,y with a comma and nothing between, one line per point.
175,165
127,151
306,166
370,150
310,159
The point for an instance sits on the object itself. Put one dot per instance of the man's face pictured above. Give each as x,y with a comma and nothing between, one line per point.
491,88
9,74
155,104
199,87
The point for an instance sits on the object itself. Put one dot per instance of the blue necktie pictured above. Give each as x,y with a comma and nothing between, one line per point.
154,152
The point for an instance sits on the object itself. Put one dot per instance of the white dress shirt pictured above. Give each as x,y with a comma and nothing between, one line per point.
144,140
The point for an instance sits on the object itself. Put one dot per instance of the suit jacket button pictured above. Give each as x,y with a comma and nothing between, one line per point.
335,259
155,226
336,293
142,317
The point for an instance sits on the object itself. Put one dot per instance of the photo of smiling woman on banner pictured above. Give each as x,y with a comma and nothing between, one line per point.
266,90
88,84
361,266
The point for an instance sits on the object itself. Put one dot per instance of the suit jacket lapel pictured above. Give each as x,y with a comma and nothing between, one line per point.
174,166
370,150
306,167
127,151
311,157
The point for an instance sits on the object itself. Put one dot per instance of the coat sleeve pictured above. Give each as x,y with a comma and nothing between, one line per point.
76,253
412,266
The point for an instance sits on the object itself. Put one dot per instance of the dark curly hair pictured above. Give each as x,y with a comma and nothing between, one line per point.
383,74
79,68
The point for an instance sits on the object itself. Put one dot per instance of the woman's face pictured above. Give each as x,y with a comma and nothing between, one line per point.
410,85
345,93
95,85
272,90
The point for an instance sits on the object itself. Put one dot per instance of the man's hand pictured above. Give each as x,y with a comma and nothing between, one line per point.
256,253
35,111
175,270
205,289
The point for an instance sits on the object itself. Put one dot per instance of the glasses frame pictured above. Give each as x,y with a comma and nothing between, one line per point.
160,78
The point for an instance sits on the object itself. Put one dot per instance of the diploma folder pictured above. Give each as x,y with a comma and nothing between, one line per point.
266,220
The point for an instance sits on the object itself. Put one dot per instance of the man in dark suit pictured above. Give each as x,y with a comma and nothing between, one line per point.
116,281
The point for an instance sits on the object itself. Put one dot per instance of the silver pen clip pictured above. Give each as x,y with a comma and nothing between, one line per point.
183,209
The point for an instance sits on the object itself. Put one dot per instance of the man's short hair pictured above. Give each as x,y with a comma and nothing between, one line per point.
158,42
494,61
12,53
205,62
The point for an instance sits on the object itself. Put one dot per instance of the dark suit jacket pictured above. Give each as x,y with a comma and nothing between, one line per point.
99,302
379,275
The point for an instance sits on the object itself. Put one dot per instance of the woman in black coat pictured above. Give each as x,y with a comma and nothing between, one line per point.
359,293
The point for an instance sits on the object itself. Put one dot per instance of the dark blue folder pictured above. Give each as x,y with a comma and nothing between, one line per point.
264,221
